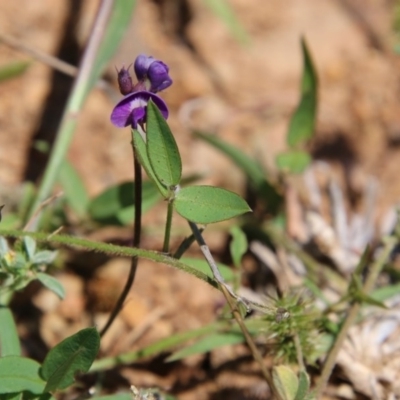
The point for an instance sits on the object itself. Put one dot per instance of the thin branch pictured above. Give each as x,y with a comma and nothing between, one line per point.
40,208
41,56
75,101
55,63
208,256
230,296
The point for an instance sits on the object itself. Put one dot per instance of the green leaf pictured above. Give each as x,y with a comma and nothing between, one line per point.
115,206
363,263
44,396
30,247
18,374
119,396
11,396
9,340
44,257
4,248
363,298
202,266
74,189
302,123
210,342
304,386
285,381
118,23
238,245
162,149
52,284
141,153
253,170
15,260
208,204
224,11
386,292
293,161
13,69
73,355
10,221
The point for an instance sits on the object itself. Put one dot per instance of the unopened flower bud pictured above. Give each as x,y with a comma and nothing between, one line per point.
125,81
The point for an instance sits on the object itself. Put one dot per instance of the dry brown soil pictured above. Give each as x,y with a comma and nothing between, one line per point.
245,95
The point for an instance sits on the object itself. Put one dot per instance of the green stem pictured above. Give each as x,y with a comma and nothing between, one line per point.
168,225
375,270
75,101
110,249
299,352
137,229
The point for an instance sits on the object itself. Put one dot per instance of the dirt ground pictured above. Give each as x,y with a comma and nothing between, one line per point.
245,94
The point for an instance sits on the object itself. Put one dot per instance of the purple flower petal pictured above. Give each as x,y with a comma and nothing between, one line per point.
131,110
158,76
138,115
121,115
153,73
141,66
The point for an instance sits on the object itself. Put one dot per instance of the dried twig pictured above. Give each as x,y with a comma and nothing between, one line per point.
54,62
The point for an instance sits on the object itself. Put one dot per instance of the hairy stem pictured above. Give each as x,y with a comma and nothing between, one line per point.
375,270
110,249
137,228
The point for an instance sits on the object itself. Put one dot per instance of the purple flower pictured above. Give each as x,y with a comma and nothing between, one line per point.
152,77
155,72
131,110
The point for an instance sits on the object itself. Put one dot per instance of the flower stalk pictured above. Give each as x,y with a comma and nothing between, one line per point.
137,229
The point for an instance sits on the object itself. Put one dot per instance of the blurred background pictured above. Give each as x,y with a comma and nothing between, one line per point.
241,88
241,84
